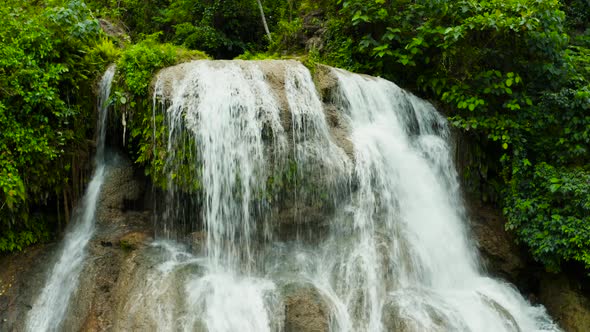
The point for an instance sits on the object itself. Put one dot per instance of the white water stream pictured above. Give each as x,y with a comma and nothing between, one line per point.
397,254
366,185
225,108
50,307
411,257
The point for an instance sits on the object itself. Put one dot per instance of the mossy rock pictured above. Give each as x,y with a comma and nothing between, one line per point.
133,241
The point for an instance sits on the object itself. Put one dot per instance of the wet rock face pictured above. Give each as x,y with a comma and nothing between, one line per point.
121,194
305,311
123,230
313,204
104,283
22,274
566,304
121,235
498,251
133,240
394,320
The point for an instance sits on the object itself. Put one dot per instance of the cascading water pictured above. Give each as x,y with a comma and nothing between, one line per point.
51,305
224,108
389,248
410,259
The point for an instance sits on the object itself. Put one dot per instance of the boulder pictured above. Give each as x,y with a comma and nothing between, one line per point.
395,320
113,30
305,310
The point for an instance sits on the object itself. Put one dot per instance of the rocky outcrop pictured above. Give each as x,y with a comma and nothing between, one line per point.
94,308
314,30
500,255
22,274
312,207
123,228
565,302
113,30
563,297
327,85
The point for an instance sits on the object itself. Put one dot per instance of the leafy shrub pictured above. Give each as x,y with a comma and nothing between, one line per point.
549,208
43,107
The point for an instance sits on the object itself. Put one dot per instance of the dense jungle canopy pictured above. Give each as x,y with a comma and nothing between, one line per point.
513,77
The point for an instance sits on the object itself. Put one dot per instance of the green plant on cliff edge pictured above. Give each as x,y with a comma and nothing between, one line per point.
137,66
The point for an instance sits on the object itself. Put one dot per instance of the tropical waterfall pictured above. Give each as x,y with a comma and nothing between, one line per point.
360,177
281,185
51,305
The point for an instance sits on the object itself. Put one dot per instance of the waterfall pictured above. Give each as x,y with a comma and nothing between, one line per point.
411,258
281,185
50,307
224,107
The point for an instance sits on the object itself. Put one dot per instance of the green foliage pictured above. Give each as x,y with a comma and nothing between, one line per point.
514,75
550,211
139,62
43,79
148,141
222,28
257,56
289,180
578,13
286,36
31,231
103,53
282,183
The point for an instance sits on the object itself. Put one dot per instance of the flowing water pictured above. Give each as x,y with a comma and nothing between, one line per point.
351,196
390,250
50,307
410,258
225,109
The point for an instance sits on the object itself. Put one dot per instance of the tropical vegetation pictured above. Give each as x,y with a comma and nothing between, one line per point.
513,77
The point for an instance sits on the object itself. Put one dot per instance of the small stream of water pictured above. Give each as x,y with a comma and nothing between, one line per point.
50,307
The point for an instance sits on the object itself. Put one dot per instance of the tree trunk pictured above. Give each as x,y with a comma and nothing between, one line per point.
66,209
264,20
